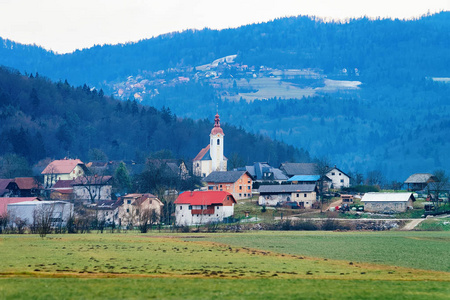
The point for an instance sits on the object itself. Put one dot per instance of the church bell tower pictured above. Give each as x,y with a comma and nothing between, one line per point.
216,146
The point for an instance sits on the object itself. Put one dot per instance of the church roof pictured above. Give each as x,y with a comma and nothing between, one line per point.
203,154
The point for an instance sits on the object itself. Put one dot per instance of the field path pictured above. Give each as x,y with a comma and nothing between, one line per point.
411,225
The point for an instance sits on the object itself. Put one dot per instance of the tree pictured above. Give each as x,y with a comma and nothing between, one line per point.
13,165
42,219
439,186
122,179
375,177
321,169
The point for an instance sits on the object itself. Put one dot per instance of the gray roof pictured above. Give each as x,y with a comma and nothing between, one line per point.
291,169
419,178
286,188
225,176
258,169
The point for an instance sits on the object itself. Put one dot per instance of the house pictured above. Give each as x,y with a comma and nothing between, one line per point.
28,186
202,207
62,190
58,211
419,181
5,201
211,157
388,202
134,207
8,188
90,189
64,169
263,172
238,183
272,195
108,210
339,178
334,177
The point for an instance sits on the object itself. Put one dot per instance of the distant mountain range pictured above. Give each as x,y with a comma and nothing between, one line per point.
367,94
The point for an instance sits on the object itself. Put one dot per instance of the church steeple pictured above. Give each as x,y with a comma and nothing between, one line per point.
216,146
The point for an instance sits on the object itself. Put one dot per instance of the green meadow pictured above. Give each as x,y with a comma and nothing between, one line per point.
249,265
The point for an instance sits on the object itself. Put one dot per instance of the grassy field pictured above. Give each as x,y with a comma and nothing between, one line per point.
268,265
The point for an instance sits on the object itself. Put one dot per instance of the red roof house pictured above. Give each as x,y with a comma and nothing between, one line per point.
10,200
201,207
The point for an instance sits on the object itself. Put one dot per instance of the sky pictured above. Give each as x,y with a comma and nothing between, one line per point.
66,25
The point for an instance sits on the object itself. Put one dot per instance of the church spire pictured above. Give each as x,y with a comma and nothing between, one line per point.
217,128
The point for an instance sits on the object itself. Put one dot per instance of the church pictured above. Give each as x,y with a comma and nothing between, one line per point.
211,157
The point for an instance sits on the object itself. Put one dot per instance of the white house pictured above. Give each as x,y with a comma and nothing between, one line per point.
202,207
211,157
339,179
387,202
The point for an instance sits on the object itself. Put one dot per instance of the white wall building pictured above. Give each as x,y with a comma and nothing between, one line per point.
202,207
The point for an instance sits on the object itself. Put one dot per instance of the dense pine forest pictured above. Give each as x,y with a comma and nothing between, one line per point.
40,119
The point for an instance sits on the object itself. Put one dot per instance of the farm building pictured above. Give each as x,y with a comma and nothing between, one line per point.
263,172
303,194
387,202
58,211
202,207
418,181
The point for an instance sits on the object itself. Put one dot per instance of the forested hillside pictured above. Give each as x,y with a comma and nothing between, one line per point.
40,119
285,80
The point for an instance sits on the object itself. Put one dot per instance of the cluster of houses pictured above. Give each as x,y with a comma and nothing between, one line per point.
67,182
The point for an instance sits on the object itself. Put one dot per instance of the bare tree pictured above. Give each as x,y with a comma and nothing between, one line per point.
439,186
43,217
92,186
321,169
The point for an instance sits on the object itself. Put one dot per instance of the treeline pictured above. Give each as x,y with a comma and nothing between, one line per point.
39,119
382,50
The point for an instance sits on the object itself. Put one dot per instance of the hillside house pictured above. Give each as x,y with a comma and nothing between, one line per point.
388,202
338,178
334,177
64,169
419,181
202,207
272,195
238,183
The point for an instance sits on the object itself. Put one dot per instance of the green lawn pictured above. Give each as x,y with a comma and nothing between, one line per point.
250,265
422,250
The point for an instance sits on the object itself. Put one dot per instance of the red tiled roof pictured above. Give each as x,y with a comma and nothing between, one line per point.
64,191
26,183
203,197
63,166
5,201
202,153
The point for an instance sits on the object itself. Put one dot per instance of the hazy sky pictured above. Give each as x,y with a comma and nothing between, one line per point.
64,26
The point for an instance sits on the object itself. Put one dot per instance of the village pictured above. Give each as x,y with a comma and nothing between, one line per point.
79,197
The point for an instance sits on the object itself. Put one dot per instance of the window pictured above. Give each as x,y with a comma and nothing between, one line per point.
249,188
217,207
240,195
220,186
181,207
210,187
298,195
240,187
190,207
128,201
128,210
332,173
248,181
342,180
340,174
218,141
